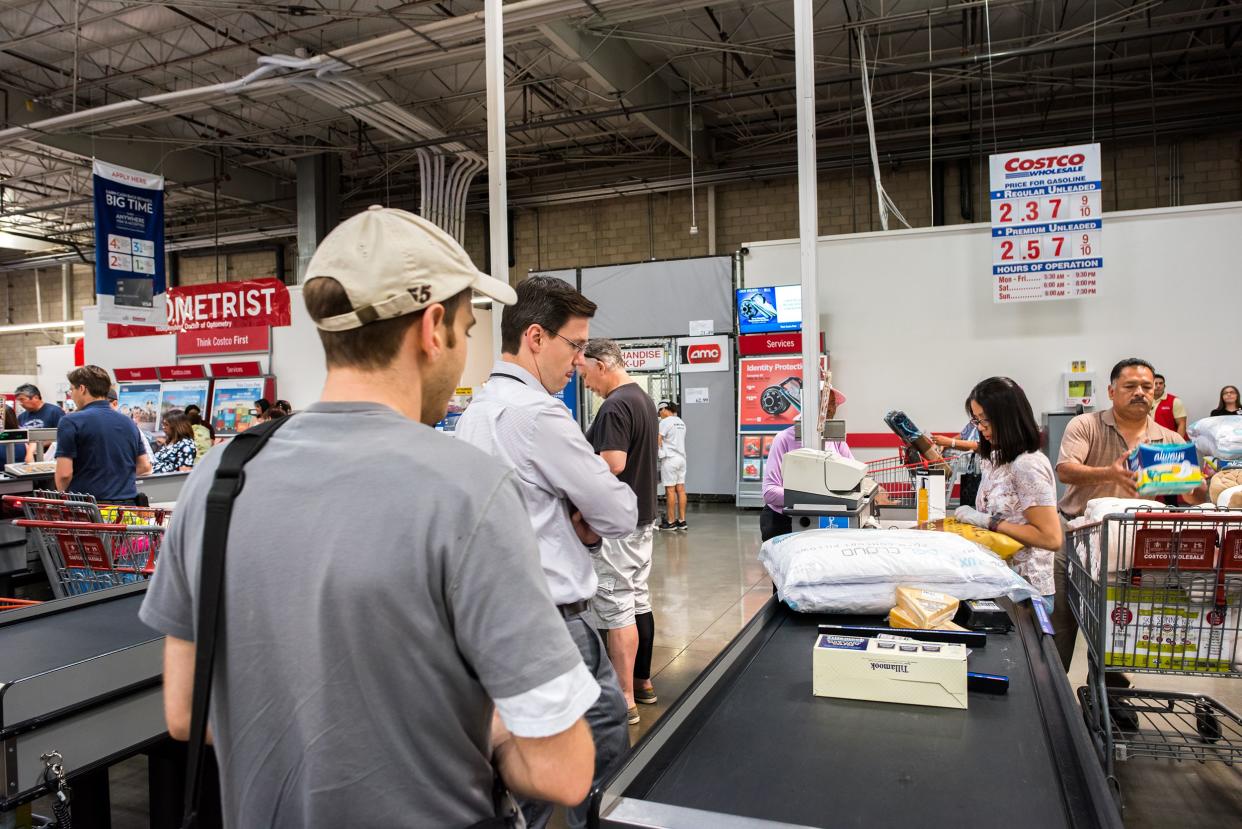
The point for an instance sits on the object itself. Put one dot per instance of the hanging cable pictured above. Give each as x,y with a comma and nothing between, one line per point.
987,19
1094,19
694,218
886,204
931,150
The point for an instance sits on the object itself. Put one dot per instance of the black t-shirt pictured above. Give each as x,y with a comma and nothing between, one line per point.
627,422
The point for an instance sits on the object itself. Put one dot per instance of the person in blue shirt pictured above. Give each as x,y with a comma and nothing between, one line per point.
35,413
10,424
98,449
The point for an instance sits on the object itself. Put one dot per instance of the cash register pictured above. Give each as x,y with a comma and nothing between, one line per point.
824,489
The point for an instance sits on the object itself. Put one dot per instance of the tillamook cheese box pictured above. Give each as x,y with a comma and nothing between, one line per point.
887,670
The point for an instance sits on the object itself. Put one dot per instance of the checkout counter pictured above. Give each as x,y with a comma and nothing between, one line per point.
82,676
749,744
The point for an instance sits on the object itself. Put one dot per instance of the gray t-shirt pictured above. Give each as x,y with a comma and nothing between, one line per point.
382,587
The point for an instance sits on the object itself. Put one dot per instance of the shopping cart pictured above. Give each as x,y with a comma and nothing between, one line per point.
15,604
897,479
48,505
86,556
1159,592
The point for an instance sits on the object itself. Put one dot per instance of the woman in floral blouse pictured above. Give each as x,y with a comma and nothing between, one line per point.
1018,494
178,453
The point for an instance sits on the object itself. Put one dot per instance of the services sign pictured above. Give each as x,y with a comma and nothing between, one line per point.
784,342
1046,223
129,245
696,354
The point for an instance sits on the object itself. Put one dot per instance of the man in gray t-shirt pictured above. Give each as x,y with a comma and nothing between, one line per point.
383,586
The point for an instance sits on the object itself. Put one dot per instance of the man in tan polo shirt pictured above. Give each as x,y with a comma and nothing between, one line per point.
1092,464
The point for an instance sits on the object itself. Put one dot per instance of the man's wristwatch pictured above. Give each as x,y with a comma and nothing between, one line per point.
994,522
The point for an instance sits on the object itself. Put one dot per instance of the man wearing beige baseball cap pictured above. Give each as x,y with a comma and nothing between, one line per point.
388,636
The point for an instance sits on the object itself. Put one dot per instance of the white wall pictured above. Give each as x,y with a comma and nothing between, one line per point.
296,357
911,324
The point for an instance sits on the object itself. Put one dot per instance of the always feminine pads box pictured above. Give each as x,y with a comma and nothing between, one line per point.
1166,628
901,671
1166,468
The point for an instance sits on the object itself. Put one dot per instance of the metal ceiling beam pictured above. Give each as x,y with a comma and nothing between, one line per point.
614,65
180,165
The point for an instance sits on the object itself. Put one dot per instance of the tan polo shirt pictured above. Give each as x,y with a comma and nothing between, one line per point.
1092,439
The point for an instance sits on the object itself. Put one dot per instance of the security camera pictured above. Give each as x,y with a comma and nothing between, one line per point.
745,251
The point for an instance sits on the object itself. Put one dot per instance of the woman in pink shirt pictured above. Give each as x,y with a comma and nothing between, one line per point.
773,521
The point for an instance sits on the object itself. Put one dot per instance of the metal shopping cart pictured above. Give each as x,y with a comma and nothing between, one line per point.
1159,592
896,477
88,556
52,506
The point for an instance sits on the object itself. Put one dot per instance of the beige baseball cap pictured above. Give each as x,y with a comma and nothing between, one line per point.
391,263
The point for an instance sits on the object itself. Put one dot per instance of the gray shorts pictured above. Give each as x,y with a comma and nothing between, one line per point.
622,566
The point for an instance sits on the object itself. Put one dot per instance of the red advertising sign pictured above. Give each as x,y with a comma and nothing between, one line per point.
245,369
219,305
770,393
130,375
188,372
780,342
224,340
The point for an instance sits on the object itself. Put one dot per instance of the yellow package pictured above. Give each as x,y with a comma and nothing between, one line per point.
999,543
926,608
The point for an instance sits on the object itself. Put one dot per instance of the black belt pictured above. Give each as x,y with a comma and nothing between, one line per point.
572,609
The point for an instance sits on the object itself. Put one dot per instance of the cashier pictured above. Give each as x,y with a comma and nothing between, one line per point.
773,521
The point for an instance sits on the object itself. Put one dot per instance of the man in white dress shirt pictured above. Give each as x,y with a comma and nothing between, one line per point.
571,495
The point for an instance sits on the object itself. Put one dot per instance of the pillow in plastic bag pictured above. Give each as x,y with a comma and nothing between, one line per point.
858,571
1219,437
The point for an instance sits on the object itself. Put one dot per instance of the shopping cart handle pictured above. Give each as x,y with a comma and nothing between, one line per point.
67,525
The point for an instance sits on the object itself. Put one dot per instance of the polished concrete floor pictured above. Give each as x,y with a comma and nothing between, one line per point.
706,584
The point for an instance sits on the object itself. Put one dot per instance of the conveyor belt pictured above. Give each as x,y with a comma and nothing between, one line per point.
751,740
69,651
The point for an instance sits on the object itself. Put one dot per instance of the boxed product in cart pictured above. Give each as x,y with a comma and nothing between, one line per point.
1165,628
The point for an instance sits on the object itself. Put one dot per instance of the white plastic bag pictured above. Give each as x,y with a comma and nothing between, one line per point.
1096,511
858,571
1218,437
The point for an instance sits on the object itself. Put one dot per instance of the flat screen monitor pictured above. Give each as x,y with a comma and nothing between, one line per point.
140,402
232,404
768,309
183,393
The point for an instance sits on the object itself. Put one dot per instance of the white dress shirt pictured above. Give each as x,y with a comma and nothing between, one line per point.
515,419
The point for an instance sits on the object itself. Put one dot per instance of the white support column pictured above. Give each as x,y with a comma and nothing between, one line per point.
497,186
808,215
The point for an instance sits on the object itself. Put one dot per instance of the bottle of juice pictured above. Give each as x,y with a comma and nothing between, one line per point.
923,496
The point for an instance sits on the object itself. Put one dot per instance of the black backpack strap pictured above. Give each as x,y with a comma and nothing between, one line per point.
225,488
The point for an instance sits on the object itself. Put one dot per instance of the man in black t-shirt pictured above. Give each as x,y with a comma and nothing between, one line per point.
625,433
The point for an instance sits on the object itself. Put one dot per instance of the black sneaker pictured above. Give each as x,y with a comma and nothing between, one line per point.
681,525
664,525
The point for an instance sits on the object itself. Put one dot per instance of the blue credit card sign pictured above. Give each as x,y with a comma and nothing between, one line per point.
767,309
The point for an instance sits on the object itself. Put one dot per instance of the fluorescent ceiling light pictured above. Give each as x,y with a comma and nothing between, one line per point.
8,240
39,326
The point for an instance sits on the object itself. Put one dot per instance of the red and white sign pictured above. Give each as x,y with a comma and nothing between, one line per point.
769,392
186,372
250,304
131,375
243,369
703,354
780,342
224,341
645,357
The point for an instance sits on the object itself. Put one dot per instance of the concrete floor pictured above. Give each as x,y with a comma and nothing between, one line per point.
706,584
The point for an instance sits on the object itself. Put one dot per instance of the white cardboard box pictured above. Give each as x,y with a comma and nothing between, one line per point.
907,672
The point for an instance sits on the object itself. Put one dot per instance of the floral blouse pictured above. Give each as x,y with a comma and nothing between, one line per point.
1009,490
174,456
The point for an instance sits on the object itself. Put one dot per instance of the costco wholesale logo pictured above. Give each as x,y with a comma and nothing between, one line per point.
702,354
1014,165
1122,616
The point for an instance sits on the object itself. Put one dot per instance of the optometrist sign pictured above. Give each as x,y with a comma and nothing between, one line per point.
129,245
1046,224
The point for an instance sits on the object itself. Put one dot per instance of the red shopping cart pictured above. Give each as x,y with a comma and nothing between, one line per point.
1159,592
15,604
896,477
86,556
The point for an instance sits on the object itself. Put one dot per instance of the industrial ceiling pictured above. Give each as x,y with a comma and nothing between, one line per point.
603,96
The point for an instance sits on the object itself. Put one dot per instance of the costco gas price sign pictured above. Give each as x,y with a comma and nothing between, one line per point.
1046,224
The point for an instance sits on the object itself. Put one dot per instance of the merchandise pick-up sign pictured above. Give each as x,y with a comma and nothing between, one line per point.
250,304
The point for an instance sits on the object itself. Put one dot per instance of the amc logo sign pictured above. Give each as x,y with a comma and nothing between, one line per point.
703,354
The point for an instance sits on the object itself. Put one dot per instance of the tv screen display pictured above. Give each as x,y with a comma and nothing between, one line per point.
768,309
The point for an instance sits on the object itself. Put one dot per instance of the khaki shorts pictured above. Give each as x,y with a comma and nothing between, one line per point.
672,471
622,566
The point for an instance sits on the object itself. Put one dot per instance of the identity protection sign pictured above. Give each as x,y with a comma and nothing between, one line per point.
129,245
1047,224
